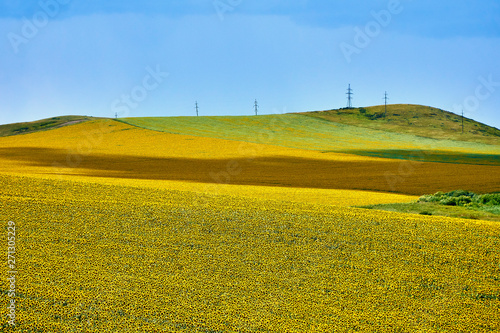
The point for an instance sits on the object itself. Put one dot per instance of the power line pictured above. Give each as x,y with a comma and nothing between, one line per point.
349,97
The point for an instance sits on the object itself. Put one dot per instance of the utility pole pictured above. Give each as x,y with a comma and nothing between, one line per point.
196,106
349,97
256,105
385,98
462,121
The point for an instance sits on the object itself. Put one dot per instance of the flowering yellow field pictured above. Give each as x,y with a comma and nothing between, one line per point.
108,258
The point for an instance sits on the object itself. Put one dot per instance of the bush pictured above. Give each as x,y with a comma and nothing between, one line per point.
456,201
427,198
448,202
460,193
489,199
462,198
375,116
432,197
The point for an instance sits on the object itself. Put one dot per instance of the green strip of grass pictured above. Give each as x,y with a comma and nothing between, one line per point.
459,204
431,156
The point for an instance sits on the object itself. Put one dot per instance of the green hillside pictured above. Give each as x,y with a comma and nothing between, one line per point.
413,119
315,131
40,125
404,132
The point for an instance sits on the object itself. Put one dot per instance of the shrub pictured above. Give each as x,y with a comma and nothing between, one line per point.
432,197
460,193
492,199
462,198
376,116
427,198
456,201
448,202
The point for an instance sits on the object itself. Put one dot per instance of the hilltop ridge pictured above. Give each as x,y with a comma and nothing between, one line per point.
308,127
41,125
418,120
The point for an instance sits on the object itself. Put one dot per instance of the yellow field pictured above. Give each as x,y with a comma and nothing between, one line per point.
121,229
108,258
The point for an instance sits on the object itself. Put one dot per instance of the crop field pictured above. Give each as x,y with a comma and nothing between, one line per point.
108,258
109,149
308,132
128,228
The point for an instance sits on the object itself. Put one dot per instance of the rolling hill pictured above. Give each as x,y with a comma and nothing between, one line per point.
407,119
107,148
348,131
419,120
405,132
40,125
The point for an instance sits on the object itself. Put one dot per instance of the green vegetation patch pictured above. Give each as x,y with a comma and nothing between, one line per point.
487,202
419,120
458,203
431,156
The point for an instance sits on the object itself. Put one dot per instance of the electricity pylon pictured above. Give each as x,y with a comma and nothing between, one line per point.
349,97
385,98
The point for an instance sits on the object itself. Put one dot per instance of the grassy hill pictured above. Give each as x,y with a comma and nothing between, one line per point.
413,119
406,119
40,125
344,131
405,132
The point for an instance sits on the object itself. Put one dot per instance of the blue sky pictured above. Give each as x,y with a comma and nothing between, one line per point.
156,58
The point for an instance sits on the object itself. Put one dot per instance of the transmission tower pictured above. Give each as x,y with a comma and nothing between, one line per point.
256,105
196,106
462,121
349,97
385,99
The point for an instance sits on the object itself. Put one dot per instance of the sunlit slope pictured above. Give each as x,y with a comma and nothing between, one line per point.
308,132
40,125
95,258
413,119
110,149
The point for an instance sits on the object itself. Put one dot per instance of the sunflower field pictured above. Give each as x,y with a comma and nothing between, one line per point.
113,258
